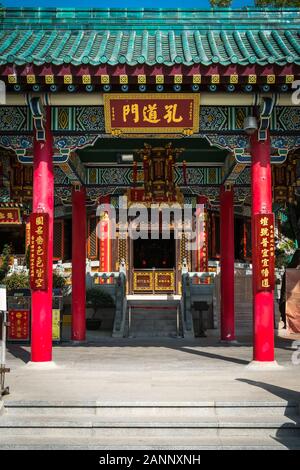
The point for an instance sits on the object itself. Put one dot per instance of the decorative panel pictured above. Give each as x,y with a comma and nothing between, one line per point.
288,118
122,251
78,118
58,239
15,118
123,176
92,242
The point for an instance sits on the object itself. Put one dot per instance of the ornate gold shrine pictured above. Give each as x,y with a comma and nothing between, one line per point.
158,171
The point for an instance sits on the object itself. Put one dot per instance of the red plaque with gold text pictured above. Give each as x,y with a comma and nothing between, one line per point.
264,251
18,329
39,234
148,113
10,216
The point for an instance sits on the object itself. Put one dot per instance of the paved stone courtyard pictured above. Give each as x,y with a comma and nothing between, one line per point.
153,370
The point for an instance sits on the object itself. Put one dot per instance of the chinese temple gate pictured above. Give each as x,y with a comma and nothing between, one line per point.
161,106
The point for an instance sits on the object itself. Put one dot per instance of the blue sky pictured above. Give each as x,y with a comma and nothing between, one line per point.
120,3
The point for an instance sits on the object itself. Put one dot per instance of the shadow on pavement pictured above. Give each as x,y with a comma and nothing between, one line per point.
19,352
289,433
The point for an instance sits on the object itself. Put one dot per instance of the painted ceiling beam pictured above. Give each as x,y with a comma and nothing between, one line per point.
96,99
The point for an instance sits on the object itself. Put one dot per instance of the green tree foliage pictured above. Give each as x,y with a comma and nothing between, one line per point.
220,3
259,3
17,281
5,258
277,3
289,238
97,298
59,281
21,281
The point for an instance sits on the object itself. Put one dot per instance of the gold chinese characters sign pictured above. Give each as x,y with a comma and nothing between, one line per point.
151,113
143,281
164,281
10,216
39,234
264,251
154,281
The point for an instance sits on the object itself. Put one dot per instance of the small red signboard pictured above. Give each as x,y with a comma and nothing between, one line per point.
18,325
165,113
138,195
39,233
10,216
264,251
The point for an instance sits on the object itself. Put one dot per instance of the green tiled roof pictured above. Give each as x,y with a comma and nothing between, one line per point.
63,36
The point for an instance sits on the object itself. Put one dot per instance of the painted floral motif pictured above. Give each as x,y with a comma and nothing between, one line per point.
213,118
59,176
244,177
229,142
288,118
74,141
90,118
13,118
16,142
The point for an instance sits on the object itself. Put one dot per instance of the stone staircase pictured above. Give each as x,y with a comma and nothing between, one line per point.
95,425
153,316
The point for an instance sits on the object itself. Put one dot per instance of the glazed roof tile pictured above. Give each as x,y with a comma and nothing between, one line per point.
168,37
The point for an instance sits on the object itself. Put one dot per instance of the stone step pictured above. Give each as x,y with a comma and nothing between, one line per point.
149,314
149,322
203,443
32,424
150,410
162,320
154,317
58,422
156,430
153,333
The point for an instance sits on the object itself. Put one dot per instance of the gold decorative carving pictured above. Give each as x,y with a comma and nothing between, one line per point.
164,286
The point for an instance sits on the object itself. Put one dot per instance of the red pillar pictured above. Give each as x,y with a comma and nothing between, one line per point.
227,264
263,301
78,263
43,201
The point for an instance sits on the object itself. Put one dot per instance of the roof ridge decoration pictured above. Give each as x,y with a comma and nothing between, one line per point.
150,18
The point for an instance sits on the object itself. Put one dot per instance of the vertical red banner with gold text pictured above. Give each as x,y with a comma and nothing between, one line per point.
201,254
105,241
265,251
38,260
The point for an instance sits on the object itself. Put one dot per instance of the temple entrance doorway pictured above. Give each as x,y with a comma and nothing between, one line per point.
153,263
154,254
